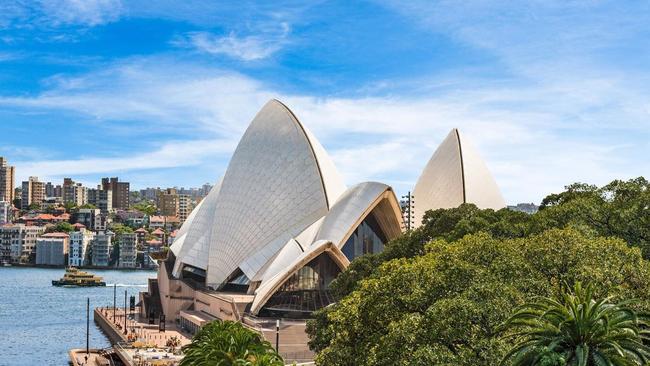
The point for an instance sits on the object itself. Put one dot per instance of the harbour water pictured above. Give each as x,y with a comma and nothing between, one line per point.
39,323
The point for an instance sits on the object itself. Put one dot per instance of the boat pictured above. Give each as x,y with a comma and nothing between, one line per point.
73,277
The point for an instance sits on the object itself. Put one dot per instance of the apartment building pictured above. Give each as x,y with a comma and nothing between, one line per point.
74,193
185,206
120,192
7,179
80,242
168,202
102,199
6,212
33,192
17,242
102,247
128,250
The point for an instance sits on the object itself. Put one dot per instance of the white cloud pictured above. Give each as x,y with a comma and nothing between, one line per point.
536,139
171,155
247,48
84,12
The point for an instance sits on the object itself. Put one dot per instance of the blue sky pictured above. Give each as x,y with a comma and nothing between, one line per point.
159,93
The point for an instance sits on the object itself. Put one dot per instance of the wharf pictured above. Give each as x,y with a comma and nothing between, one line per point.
95,357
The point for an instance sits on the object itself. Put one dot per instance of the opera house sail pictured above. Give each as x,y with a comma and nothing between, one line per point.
454,175
280,224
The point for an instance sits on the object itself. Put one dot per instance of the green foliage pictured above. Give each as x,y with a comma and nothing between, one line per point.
61,227
579,329
225,343
88,205
121,229
145,207
620,209
443,302
34,207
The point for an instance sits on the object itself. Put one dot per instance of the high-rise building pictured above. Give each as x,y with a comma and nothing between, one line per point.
33,192
17,242
79,244
102,199
74,193
168,202
5,212
120,192
102,245
185,206
7,179
128,250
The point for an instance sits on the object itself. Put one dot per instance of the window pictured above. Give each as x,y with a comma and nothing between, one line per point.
305,291
366,238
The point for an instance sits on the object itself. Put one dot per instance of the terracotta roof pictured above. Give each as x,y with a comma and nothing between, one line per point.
156,243
78,225
55,235
158,232
141,230
157,218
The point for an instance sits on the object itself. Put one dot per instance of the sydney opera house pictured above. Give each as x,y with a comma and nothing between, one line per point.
281,224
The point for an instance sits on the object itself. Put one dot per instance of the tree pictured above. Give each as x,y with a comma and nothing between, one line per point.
578,329
445,306
225,343
121,229
61,227
88,205
145,207
620,209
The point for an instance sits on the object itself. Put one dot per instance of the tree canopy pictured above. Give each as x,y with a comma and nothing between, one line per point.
437,294
61,227
444,305
145,207
620,209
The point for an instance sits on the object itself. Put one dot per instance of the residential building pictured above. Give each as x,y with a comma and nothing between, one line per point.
150,194
74,193
91,218
185,206
102,199
80,242
7,179
6,212
141,236
52,249
529,208
17,242
168,223
151,246
53,191
156,222
128,250
33,192
168,202
120,192
102,247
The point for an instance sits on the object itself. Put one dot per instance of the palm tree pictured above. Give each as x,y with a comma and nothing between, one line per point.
226,343
578,330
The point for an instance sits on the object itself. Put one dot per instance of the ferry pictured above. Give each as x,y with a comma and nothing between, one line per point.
75,277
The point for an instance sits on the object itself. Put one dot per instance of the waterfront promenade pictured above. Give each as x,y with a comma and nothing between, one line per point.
142,343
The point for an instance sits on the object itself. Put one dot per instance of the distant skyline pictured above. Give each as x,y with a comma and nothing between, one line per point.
159,93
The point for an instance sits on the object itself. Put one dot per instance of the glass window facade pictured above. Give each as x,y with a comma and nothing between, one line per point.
366,238
237,282
305,291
